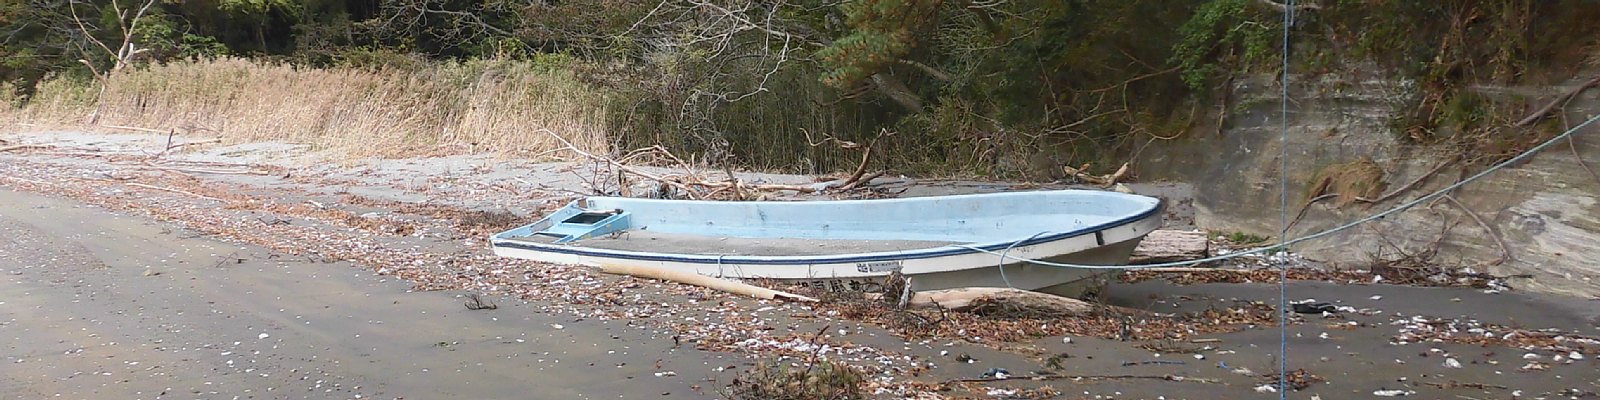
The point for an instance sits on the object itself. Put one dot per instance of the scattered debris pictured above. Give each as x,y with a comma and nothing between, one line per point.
475,302
1310,307
1392,392
1007,302
709,319
1470,385
1419,329
1297,380
821,378
996,373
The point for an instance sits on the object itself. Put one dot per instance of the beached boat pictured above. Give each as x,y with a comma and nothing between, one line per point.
935,241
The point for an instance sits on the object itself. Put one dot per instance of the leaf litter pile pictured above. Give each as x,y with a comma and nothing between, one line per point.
1258,268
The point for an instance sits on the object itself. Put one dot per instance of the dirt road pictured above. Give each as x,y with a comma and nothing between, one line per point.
95,305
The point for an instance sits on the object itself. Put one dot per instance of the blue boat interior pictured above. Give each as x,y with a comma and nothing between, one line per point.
983,218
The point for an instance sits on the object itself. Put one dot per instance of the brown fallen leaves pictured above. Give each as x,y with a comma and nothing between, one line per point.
924,323
1413,276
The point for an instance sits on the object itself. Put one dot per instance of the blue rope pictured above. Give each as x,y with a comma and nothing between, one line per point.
1002,264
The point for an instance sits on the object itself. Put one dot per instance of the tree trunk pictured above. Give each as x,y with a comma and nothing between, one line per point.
897,91
261,36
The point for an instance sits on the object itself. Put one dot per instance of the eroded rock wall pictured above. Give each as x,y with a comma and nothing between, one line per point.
1546,210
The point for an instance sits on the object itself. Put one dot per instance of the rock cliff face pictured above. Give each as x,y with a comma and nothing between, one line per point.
1545,210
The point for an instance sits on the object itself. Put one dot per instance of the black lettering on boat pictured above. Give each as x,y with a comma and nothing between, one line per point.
878,266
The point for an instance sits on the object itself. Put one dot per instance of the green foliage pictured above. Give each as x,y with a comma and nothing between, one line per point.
1450,49
160,35
256,8
881,32
998,88
1223,35
379,59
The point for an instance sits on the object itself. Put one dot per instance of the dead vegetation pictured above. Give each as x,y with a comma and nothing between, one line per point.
468,223
819,378
475,302
824,380
686,181
477,106
1297,380
1397,272
1347,182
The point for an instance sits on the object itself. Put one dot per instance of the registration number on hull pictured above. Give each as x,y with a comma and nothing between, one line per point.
878,266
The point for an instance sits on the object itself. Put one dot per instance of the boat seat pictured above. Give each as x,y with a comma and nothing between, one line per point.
587,224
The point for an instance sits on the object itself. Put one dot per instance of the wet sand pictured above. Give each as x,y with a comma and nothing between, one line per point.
94,305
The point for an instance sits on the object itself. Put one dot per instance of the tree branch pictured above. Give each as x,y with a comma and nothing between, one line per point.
85,29
930,70
897,91
1545,111
126,52
1505,251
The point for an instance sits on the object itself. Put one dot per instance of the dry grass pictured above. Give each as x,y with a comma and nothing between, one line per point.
473,106
1359,179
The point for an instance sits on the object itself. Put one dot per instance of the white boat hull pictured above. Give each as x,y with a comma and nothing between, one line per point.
948,267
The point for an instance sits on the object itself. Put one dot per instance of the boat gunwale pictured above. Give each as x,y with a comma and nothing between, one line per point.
924,253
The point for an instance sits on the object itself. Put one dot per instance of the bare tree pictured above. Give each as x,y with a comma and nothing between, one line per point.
126,25
125,52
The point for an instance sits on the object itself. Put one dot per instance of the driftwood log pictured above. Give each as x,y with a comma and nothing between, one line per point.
691,278
1171,245
1103,180
991,300
23,147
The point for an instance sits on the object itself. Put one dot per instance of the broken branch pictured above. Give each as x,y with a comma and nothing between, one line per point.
1414,182
172,147
616,164
204,170
1505,252
1307,206
989,300
165,189
1556,103
134,128
24,147
1102,180
702,281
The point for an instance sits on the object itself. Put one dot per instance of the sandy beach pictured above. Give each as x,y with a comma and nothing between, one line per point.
268,270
